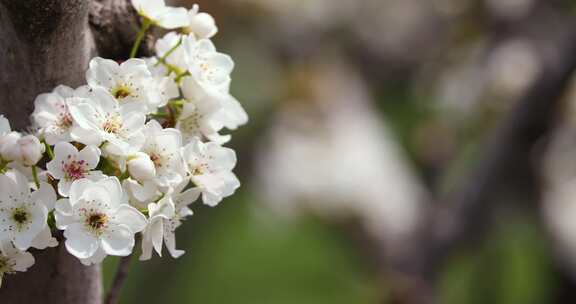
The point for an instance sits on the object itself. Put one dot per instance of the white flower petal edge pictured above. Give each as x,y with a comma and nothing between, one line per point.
165,217
129,83
102,119
23,213
160,14
13,260
97,220
210,169
70,165
202,25
51,115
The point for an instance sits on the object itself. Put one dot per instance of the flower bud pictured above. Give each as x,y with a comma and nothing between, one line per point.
30,150
9,146
202,25
141,167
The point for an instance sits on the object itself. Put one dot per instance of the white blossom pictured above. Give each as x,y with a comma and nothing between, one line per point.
207,66
101,119
161,15
202,25
207,111
163,146
23,213
51,114
26,150
141,167
165,217
13,260
210,169
70,165
97,220
172,42
165,85
129,82
140,194
30,150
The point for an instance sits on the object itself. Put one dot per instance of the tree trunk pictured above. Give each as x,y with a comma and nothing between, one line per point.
57,277
45,43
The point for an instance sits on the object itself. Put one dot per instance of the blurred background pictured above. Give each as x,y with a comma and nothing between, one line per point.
399,151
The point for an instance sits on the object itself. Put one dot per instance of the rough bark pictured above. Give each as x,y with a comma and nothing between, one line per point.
57,277
45,43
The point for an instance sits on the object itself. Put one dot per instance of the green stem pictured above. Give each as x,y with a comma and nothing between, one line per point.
35,175
170,51
146,23
179,77
49,151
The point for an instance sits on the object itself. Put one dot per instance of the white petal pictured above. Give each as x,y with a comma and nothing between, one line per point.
45,195
173,17
63,213
44,239
80,242
91,155
118,240
129,216
170,241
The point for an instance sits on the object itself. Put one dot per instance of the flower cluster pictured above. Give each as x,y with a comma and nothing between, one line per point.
125,154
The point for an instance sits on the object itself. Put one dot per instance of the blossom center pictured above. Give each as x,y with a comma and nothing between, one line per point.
156,159
112,125
75,170
64,119
97,221
121,91
20,216
200,169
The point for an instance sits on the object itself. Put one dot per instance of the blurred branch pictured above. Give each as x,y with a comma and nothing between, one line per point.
113,295
508,155
463,214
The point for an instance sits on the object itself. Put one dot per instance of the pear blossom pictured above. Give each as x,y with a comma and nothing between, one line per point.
51,114
23,213
26,150
70,165
30,150
127,152
210,169
207,111
165,217
165,85
101,119
163,146
129,82
97,220
207,66
202,25
13,260
161,15
177,59
141,167
140,194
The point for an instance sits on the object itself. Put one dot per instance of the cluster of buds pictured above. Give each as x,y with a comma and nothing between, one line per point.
125,154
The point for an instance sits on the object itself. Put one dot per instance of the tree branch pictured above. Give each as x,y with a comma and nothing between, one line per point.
115,24
119,279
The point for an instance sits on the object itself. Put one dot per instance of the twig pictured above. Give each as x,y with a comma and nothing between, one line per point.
119,280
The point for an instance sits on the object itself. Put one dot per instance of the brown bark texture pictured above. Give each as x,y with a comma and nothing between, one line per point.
45,43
